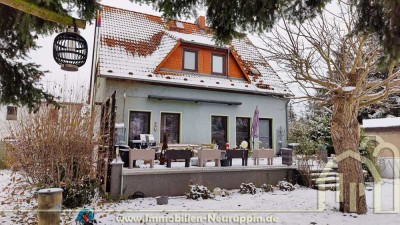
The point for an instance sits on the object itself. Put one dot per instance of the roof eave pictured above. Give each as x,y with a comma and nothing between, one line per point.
170,83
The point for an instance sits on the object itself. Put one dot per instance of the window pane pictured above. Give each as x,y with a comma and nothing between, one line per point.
139,123
170,124
218,64
189,60
11,113
265,134
242,130
219,127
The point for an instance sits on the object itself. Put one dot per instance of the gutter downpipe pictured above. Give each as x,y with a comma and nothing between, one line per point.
93,69
227,73
287,122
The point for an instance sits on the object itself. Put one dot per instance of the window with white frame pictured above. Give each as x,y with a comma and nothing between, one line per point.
190,60
218,64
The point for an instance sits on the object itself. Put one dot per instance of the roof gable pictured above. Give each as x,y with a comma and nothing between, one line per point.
135,46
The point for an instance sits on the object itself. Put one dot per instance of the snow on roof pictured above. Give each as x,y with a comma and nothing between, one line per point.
133,44
381,123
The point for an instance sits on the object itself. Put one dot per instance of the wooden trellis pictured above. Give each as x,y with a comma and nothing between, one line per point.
106,151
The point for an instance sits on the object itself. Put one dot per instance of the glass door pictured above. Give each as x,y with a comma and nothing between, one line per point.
265,133
170,124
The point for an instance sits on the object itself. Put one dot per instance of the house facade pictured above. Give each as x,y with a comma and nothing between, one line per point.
388,130
10,115
172,77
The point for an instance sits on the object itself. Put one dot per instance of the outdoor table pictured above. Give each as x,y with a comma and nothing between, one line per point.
178,154
241,154
179,146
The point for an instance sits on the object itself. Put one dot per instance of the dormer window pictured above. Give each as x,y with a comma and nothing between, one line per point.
190,60
218,64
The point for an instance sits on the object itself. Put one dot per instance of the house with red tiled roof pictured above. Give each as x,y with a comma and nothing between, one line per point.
172,77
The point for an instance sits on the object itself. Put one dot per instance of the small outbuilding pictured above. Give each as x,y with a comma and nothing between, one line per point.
386,130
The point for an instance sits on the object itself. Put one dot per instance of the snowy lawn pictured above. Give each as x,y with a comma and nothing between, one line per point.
294,207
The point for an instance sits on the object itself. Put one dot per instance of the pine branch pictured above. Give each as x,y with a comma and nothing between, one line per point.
43,13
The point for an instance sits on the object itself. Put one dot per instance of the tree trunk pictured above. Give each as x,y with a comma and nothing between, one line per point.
346,138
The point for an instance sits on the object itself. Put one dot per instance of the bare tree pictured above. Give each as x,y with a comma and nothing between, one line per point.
326,54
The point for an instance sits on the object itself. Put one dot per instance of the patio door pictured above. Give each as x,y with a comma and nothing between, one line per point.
242,130
265,133
170,124
219,131
139,123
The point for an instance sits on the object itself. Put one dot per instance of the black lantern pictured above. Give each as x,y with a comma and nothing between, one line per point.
70,50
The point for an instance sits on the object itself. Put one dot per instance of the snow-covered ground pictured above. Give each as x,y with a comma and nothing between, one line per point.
296,207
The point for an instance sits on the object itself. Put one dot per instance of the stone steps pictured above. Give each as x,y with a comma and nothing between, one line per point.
328,187
326,179
325,174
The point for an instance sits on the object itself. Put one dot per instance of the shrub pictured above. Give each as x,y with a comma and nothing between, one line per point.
198,191
367,148
76,194
285,186
3,156
248,188
267,188
54,148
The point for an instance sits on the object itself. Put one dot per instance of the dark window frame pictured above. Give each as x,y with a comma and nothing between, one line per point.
223,63
271,138
162,128
226,133
196,52
12,113
129,122
249,129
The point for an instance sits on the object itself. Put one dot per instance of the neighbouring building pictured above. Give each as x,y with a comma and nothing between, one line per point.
9,117
172,77
387,131
386,128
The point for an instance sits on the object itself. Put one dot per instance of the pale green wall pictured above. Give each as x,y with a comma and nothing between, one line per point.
196,118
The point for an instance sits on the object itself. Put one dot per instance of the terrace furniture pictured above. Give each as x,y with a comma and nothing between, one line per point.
241,154
141,154
263,153
180,146
208,154
287,156
178,154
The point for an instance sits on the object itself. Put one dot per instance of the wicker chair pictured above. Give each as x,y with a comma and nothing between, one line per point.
141,154
208,154
263,153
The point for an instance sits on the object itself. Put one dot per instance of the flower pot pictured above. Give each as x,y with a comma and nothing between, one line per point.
162,159
224,162
162,200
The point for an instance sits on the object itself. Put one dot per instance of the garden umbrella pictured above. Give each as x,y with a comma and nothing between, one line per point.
164,147
254,127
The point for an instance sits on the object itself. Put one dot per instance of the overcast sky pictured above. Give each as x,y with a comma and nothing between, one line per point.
80,80
59,78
